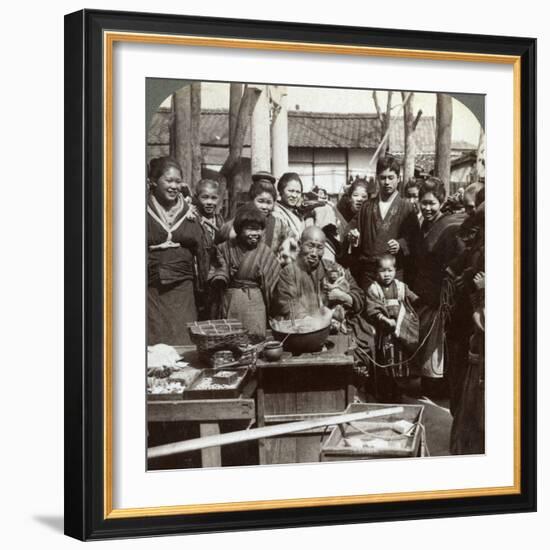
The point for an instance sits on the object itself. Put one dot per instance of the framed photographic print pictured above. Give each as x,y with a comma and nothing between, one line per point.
300,274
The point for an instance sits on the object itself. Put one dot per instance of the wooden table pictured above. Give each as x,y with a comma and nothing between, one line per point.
298,388
208,413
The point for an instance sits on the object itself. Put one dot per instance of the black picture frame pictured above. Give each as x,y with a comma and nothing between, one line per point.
85,516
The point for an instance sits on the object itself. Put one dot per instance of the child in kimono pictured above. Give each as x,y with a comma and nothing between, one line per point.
205,206
247,271
385,299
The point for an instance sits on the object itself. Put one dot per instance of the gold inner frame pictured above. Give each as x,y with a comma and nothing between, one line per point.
109,39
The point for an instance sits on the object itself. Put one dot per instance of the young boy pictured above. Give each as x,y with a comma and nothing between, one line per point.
205,201
386,297
246,271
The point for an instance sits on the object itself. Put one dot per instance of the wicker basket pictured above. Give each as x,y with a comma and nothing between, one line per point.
216,335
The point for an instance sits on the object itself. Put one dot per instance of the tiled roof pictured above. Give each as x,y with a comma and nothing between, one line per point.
307,129
331,130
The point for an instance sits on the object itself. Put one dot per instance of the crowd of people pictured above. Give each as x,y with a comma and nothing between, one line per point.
401,267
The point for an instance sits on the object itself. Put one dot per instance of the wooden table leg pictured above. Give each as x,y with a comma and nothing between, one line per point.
211,457
260,415
351,390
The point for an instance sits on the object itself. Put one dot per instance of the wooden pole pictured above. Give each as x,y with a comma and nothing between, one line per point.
196,153
180,138
266,431
260,135
443,135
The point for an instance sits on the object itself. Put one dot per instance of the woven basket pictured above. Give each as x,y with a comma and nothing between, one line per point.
216,335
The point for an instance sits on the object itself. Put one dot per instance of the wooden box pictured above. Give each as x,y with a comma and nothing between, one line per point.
196,389
336,446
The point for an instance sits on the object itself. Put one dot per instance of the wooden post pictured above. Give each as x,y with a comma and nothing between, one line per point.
443,128
180,136
196,153
279,132
260,134
212,456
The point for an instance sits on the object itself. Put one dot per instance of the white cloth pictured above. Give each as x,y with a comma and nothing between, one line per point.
385,205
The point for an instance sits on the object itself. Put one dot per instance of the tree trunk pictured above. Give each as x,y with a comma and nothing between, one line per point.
385,119
235,96
180,138
279,134
196,152
260,135
410,143
229,168
443,128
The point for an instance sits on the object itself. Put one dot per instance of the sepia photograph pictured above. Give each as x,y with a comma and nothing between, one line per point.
315,275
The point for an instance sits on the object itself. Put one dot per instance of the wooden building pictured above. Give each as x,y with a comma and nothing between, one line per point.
326,149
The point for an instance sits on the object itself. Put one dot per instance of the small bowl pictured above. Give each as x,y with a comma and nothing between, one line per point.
273,351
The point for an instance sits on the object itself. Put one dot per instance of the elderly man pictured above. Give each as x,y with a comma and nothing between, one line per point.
312,282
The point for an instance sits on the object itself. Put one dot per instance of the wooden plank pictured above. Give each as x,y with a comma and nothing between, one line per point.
321,359
201,410
267,431
211,456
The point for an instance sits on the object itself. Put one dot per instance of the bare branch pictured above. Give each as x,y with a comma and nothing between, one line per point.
417,119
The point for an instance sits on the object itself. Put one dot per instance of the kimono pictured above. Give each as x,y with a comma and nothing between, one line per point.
460,325
468,429
175,246
436,247
250,277
291,219
386,301
211,228
400,224
304,291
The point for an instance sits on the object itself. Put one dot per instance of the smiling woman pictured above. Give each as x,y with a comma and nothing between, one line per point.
290,192
175,243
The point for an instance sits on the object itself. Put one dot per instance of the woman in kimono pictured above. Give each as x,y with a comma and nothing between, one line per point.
247,271
174,244
350,202
437,246
468,430
290,190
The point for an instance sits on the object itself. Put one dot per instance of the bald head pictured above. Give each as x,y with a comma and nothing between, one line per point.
313,233
312,246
